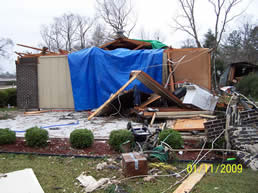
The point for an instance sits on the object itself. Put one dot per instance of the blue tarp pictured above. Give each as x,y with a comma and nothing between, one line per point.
97,73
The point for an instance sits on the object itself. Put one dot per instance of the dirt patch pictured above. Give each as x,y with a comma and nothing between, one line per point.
60,146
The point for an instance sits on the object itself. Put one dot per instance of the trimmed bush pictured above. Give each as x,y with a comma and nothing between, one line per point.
118,137
36,137
11,96
81,138
173,138
3,98
7,136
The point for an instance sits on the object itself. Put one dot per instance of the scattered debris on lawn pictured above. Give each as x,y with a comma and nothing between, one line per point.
176,95
90,184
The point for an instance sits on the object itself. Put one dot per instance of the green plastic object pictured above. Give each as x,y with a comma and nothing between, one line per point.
159,153
154,43
231,159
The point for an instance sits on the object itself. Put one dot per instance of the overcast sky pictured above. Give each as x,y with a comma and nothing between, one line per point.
21,19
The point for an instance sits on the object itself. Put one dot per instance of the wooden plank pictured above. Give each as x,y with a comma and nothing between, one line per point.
138,47
171,81
164,68
153,119
189,125
177,114
152,98
193,179
156,87
113,96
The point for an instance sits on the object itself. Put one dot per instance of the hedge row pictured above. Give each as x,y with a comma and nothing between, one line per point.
82,138
37,137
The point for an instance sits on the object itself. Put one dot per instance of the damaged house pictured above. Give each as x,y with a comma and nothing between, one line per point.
54,80
138,78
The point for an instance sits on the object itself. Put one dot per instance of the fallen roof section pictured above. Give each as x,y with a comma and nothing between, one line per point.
156,87
148,82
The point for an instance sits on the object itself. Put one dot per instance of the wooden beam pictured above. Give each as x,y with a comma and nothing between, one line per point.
138,47
170,72
153,119
39,49
178,114
193,179
156,87
113,97
150,100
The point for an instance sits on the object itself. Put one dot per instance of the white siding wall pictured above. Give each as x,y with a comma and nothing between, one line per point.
54,83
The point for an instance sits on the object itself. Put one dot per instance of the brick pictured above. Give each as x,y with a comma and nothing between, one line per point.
134,164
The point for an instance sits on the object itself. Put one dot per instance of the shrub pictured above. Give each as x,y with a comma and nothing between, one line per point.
118,137
36,137
249,85
219,144
81,138
3,98
171,137
11,96
7,136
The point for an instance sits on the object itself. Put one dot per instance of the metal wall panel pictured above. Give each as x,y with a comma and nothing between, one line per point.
54,82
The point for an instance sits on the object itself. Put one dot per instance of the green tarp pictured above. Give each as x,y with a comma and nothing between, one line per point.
154,43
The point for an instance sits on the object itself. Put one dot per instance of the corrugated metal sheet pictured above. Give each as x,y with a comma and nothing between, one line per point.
55,90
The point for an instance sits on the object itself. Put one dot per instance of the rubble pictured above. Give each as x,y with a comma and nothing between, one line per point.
90,184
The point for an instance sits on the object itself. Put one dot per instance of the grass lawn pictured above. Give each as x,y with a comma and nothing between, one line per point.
8,109
57,174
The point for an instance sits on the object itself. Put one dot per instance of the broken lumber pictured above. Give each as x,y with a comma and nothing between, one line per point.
156,87
180,114
148,82
193,179
112,97
35,112
189,125
153,119
152,98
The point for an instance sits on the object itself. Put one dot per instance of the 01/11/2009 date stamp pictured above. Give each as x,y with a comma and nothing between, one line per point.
220,168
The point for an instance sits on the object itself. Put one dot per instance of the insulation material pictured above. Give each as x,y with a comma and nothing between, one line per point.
200,97
194,66
23,181
189,124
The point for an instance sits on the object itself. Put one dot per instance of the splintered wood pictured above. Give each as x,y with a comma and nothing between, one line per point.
193,179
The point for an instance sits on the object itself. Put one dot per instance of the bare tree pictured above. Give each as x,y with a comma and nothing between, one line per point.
51,36
188,43
67,32
5,44
186,22
156,35
222,9
68,27
84,26
117,14
100,35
